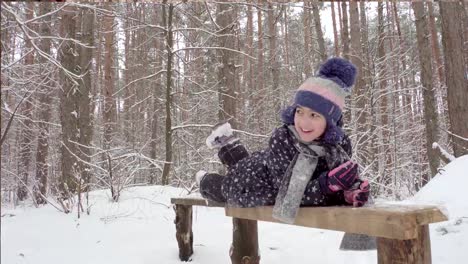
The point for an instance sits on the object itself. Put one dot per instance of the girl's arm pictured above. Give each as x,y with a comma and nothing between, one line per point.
346,145
280,153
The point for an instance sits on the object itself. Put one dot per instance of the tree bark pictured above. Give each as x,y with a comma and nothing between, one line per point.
344,31
286,38
159,46
335,31
259,98
406,97
26,134
40,187
248,71
359,88
345,53
68,105
318,30
167,18
380,101
464,14
273,58
307,38
227,74
128,76
435,45
109,114
457,82
84,100
429,111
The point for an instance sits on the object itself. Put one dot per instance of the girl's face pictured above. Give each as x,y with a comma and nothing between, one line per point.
309,124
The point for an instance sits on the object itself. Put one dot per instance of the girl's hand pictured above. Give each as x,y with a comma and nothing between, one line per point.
343,176
358,197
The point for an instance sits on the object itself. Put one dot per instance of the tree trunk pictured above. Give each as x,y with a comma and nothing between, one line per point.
68,108
455,69
318,30
84,100
248,71
345,43
25,148
227,74
366,76
335,31
429,112
359,87
286,38
340,20
273,59
259,98
167,21
406,97
465,26
159,46
344,31
40,187
128,76
381,98
109,114
307,38
435,45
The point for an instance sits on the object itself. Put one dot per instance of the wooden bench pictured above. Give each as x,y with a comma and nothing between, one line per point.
402,231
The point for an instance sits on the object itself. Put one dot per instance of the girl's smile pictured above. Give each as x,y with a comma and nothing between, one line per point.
309,124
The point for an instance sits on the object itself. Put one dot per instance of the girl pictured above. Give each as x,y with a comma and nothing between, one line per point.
308,159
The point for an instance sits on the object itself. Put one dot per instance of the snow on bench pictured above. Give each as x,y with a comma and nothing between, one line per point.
402,231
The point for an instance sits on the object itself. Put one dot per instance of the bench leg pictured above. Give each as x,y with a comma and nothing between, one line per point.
184,234
416,250
244,248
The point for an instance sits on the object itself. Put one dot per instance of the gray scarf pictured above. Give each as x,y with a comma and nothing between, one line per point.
299,173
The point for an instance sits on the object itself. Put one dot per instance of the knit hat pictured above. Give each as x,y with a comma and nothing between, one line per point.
325,93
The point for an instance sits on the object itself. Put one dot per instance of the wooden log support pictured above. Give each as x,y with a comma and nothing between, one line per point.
184,234
410,251
244,247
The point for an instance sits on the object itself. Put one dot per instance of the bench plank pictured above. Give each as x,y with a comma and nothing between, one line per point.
196,202
387,221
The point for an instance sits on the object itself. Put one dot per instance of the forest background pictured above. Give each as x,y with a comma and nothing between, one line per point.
112,95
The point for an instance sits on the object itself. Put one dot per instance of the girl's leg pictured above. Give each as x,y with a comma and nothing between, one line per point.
230,151
211,183
210,187
230,154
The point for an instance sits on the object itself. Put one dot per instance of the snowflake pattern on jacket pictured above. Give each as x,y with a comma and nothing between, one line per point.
255,180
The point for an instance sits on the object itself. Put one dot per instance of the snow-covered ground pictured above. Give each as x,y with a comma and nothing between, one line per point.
140,229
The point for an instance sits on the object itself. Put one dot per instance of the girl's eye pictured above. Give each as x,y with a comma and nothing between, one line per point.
313,115
298,111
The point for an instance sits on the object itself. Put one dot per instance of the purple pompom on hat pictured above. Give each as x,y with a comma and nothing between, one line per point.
325,93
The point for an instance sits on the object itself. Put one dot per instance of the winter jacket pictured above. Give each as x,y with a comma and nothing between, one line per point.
255,180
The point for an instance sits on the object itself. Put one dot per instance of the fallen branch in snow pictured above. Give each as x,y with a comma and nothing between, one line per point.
443,154
10,215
